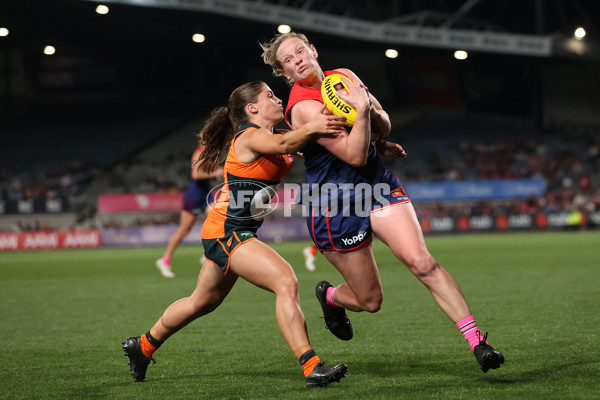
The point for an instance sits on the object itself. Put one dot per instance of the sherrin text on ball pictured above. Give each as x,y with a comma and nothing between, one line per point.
330,88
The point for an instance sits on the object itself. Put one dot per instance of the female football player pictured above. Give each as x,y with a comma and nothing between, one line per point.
194,202
345,238
258,158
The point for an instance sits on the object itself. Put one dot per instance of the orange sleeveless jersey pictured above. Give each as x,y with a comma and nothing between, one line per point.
247,188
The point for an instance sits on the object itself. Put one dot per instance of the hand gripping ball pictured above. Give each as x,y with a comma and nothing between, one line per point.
330,88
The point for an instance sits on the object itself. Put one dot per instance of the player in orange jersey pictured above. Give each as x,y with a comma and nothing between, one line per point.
258,158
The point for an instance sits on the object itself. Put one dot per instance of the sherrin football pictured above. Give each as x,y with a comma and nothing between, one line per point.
330,88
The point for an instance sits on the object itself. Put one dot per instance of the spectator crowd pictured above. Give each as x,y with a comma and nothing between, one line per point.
569,163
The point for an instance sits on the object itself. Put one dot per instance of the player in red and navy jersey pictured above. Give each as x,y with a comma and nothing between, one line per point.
194,202
342,232
258,158
346,161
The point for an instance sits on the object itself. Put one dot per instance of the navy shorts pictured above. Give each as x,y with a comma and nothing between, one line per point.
220,250
195,199
348,230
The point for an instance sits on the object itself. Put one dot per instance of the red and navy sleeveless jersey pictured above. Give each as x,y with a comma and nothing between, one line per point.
322,166
248,187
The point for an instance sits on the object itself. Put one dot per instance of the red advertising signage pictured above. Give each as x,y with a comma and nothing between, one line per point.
50,240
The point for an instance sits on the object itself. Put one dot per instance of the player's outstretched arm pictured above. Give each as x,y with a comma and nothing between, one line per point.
261,141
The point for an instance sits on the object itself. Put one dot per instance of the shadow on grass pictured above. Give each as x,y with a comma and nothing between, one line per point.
410,375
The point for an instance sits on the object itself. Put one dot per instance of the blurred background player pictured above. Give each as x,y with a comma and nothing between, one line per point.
194,202
309,257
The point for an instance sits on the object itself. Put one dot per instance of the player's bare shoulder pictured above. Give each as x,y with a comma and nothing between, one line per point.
304,111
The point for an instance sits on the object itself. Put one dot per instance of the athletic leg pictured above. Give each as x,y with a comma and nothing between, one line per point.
399,229
401,232
211,289
186,222
362,290
262,266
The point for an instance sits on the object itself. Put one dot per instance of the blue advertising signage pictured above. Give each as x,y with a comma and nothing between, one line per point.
476,190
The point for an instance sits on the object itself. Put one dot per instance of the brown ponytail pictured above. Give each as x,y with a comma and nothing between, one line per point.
214,136
218,130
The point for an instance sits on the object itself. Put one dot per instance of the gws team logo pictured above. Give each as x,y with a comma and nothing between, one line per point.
243,199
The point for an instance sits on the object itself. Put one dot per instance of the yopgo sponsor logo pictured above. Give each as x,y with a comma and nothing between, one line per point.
354,239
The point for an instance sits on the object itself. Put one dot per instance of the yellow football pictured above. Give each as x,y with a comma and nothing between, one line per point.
331,86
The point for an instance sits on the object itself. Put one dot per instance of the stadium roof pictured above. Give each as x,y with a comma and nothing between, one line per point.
142,49
512,27
545,26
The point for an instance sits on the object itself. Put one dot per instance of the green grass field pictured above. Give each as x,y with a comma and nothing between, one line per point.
65,313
